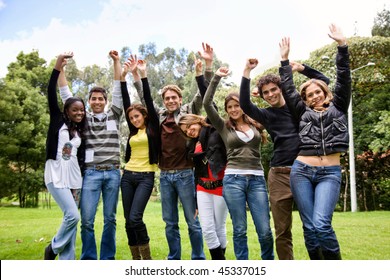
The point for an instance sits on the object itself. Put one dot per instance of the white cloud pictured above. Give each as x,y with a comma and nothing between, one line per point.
2,5
236,29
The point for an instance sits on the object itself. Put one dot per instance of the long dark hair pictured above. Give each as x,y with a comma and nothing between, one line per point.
230,123
73,127
140,108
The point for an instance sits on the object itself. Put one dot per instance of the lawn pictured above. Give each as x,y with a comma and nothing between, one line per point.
24,233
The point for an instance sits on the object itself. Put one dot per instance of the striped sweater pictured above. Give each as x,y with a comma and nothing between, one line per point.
102,137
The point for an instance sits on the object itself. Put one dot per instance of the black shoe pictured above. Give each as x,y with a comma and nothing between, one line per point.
49,253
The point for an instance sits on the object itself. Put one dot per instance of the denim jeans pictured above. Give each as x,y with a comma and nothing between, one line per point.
63,243
181,185
316,191
136,189
97,182
239,190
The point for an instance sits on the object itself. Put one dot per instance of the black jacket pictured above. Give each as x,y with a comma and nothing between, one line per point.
326,132
213,155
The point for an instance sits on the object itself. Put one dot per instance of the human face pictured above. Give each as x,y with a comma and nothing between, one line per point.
172,100
273,95
192,130
234,110
315,97
137,119
97,102
76,111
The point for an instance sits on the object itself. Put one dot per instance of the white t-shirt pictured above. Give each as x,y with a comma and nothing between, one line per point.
64,172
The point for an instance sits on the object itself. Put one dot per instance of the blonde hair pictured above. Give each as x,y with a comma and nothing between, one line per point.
324,87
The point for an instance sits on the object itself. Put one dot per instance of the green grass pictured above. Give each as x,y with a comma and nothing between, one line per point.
24,233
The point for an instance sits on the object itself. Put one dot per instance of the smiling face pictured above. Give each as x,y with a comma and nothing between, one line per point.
137,119
315,96
76,111
97,102
272,94
192,130
172,100
234,110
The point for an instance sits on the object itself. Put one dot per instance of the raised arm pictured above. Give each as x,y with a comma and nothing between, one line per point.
212,113
309,72
290,94
245,102
63,86
152,113
116,92
343,87
54,109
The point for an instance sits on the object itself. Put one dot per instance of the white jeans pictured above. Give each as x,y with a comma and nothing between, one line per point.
212,213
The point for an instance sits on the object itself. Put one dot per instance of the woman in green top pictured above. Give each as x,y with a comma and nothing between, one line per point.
244,182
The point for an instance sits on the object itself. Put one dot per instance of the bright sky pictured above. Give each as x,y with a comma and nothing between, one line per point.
235,29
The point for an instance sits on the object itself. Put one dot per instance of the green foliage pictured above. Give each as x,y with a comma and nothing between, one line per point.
382,142
23,128
381,24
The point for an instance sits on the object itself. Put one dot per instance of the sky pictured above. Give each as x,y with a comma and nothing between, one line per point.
236,30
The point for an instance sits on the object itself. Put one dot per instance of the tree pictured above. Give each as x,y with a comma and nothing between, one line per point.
23,128
381,24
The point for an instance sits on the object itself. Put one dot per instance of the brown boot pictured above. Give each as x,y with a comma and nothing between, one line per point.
145,251
135,252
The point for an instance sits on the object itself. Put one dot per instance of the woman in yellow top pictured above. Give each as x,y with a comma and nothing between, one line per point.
141,157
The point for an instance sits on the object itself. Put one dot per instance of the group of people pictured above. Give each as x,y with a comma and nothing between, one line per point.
211,164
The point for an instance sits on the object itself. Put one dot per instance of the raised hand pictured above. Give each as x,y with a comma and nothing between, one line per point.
284,46
337,35
251,63
141,66
222,72
114,55
198,66
295,66
62,60
207,54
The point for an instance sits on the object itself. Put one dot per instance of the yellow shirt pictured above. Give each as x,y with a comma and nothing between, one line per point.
139,160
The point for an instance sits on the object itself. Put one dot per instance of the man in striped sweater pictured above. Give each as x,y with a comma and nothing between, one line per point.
102,159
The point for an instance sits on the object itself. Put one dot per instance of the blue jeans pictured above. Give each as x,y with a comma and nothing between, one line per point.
316,191
136,189
181,185
239,190
95,183
63,243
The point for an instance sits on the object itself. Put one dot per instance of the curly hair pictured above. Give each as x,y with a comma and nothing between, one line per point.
267,79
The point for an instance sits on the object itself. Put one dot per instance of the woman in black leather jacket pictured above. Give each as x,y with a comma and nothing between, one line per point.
316,173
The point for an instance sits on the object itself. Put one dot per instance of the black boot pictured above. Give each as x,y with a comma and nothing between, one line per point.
328,255
217,253
49,253
316,254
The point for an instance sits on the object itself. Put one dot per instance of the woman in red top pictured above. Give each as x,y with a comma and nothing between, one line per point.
209,159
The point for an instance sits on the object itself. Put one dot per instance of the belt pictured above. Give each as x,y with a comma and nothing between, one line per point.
174,170
284,169
104,167
139,172
210,185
